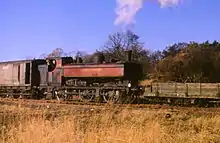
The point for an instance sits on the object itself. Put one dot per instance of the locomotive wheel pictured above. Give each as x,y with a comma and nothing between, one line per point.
111,96
86,95
61,95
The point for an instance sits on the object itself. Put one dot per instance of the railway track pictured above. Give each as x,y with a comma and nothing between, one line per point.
54,104
38,104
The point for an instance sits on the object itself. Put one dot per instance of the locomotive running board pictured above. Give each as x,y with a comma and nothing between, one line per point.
103,87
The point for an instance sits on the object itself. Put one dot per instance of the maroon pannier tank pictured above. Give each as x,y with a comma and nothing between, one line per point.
102,70
96,78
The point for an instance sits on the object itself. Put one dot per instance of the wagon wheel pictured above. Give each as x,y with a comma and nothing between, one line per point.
86,95
9,94
111,96
129,98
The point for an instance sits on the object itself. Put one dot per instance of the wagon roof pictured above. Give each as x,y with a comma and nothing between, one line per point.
17,61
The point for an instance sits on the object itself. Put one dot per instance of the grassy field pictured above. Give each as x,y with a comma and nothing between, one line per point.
26,125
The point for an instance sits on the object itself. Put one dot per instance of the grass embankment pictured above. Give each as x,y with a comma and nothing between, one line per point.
25,125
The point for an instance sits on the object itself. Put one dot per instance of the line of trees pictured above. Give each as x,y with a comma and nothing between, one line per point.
180,62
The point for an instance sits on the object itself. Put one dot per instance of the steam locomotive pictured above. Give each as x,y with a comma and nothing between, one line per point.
68,78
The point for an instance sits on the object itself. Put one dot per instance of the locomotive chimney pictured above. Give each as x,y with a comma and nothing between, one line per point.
128,55
78,59
99,58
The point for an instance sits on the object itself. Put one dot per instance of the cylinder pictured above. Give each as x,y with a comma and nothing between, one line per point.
128,55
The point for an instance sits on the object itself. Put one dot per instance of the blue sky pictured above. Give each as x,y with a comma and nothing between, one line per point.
29,28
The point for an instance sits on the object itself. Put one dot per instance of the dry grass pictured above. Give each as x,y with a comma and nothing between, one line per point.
146,82
113,126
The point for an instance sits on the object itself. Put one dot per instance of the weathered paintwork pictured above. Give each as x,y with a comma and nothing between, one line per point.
100,70
58,63
13,73
54,77
43,69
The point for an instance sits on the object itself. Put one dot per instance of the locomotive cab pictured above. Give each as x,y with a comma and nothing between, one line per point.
54,63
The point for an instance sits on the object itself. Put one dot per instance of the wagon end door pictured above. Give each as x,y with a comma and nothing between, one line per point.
54,77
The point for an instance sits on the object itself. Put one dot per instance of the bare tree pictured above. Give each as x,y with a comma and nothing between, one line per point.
58,52
118,42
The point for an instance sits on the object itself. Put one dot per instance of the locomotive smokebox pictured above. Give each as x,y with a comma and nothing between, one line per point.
128,55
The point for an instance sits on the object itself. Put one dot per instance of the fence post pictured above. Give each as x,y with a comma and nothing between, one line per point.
186,92
200,89
151,87
218,90
157,92
175,87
